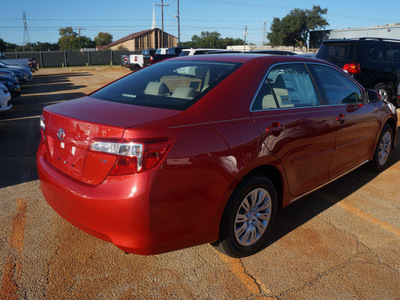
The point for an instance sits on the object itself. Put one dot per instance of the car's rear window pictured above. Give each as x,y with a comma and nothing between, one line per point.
337,51
171,84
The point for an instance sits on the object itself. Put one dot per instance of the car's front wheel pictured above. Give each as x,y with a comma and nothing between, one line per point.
248,217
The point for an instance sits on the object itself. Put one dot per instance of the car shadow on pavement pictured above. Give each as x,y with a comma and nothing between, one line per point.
305,209
20,137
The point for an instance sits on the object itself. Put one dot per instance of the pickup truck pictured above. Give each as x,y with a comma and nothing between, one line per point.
23,62
136,61
170,52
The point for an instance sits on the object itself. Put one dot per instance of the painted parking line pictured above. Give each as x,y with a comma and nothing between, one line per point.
366,216
13,267
237,268
22,118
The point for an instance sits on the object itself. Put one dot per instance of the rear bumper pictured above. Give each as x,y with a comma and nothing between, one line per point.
138,214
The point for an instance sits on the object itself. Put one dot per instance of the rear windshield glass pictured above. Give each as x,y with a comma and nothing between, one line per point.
339,51
171,84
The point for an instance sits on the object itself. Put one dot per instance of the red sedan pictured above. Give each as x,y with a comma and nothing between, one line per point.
207,149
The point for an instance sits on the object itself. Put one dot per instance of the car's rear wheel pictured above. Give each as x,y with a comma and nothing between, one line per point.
383,149
384,91
248,217
134,68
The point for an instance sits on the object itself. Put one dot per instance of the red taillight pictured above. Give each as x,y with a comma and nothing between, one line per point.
151,59
132,156
124,166
153,152
29,62
352,68
125,59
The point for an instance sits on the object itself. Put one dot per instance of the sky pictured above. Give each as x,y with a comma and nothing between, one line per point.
229,18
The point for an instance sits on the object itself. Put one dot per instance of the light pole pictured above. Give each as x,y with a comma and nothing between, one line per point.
177,16
245,33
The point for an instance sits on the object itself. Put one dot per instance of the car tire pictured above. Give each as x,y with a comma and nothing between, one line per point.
134,68
384,91
383,149
248,217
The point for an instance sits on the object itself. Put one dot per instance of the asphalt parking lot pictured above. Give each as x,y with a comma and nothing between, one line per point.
341,242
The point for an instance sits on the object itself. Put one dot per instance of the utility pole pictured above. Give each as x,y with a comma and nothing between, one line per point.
179,24
27,40
264,34
79,35
245,33
162,21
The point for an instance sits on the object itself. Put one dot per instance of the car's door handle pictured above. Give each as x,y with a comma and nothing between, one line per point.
275,128
341,118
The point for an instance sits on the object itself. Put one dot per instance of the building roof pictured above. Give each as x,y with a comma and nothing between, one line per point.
130,37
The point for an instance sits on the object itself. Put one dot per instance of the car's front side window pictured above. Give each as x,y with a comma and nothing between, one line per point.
338,88
287,86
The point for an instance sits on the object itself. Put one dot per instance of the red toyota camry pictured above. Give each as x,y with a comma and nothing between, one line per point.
207,149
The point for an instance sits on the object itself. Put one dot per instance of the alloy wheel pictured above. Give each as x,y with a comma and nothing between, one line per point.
384,148
252,217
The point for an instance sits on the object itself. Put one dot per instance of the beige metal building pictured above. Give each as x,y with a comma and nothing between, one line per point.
143,40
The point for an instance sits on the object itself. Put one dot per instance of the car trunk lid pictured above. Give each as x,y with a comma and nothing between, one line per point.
71,126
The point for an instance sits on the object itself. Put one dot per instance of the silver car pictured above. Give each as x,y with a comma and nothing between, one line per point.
5,98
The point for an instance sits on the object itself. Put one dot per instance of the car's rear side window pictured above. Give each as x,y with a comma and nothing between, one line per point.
170,84
286,86
337,51
377,52
394,52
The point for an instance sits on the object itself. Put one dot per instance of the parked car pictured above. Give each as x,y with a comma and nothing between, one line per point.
373,62
161,160
162,54
11,84
272,52
23,62
27,73
136,61
8,73
161,51
198,51
5,98
20,76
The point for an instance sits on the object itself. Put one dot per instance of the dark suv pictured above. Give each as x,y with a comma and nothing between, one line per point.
374,62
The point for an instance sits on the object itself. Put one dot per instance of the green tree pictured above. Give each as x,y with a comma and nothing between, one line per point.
86,42
211,40
3,45
103,38
294,28
69,39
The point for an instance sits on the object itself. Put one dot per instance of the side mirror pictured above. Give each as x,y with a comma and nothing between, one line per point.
373,96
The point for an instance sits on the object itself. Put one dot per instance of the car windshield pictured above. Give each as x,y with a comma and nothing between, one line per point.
171,84
340,51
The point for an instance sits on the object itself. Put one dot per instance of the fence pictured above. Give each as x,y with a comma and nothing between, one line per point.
71,58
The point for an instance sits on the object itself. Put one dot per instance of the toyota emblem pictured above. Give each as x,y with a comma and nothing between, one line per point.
61,134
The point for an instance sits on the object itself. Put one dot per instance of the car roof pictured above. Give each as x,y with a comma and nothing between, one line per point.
244,58
362,40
